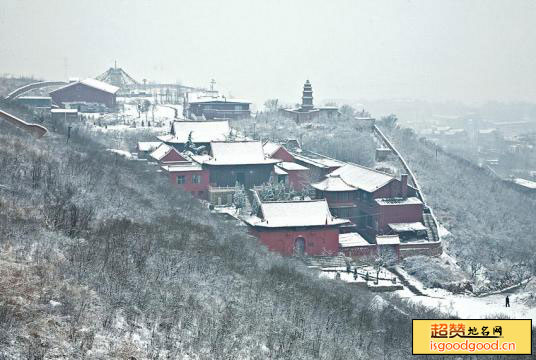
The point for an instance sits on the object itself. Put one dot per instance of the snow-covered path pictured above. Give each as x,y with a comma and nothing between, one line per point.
472,307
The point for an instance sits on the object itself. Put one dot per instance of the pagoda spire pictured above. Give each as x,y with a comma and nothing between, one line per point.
307,98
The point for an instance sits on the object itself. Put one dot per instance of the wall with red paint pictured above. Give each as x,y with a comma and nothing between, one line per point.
172,156
318,241
361,251
283,155
198,190
298,178
389,214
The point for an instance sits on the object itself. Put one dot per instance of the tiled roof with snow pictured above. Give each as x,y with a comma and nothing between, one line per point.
237,153
101,85
387,240
295,213
96,84
279,171
402,227
360,177
161,151
352,240
202,131
333,183
196,98
316,160
148,145
290,166
270,148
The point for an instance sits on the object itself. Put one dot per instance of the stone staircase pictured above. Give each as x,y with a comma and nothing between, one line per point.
431,228
325,261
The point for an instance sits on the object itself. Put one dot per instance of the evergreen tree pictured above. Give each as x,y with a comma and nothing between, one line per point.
239,196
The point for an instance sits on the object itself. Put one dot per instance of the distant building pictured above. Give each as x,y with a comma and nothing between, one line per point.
238,161
371,199
88,91
215,107
38,102
296,227
286,171
165,154
64,114
203,133
318,165
190,177
307,111
144,148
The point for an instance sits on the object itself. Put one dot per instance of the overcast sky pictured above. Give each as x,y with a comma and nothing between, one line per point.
431,50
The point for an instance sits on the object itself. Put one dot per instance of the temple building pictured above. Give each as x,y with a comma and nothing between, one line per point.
296,227
307,111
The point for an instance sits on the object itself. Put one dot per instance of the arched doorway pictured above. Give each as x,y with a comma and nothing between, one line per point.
299,246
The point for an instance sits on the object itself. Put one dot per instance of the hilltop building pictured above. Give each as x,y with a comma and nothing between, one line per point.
287,170
375,202
188,176
307,111
238,161
37,102
296,227
215,107
165,154
86,94
202,133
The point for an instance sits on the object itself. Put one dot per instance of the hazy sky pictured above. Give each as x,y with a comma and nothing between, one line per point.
434,50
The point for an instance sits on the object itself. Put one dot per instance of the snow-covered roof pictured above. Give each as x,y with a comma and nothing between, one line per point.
317,160
148,145
333,183
34,97
237,153
202,131
356,177
161,151
404,227
182,167
295,213
290,166
352,240
387,240
96,84
399,201
101,85
270,148
525,183
197,98
64,111
279,171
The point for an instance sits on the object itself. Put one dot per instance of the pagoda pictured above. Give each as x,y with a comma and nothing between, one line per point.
307,98
307,111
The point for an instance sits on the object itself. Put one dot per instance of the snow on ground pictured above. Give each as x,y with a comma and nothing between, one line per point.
127,120
124,153
470,306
